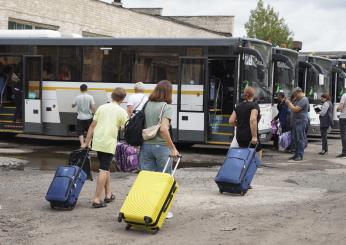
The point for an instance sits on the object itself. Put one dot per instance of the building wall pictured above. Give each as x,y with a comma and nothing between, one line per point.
222,24
76,16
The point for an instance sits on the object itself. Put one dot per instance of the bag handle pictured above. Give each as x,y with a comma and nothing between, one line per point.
81,167
139,102
162,108
176,165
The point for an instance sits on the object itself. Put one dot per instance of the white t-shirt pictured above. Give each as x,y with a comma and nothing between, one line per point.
137,101
343,101
84,102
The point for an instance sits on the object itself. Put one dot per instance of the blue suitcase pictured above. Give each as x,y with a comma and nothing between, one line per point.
66,186
238,170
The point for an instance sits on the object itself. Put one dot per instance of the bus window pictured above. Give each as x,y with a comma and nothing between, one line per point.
318,84
50,61
153,67
341,87
283,80
192,72
253,78
117,65
194,52
92,64
69,64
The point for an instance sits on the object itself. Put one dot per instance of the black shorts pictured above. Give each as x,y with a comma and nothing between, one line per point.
246,144
83,126
105,160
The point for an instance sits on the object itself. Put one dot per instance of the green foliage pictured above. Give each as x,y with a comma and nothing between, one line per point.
265,23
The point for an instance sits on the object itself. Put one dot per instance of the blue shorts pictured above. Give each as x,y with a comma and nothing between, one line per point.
154,157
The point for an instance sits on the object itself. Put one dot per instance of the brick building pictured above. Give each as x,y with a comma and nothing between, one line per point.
98,18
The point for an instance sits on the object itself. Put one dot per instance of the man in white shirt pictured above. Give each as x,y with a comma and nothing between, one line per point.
137,100
85,108
342,123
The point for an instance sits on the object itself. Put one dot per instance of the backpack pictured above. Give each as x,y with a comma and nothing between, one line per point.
77,157
126,158
134,127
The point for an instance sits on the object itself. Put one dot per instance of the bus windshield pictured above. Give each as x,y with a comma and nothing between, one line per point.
318,85
284,77
256,73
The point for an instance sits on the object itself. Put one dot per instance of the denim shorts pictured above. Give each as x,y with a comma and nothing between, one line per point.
154,157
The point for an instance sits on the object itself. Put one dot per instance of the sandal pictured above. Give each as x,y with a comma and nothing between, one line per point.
111,199
99,205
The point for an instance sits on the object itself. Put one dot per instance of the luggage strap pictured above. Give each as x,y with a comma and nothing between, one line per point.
176,165
81,167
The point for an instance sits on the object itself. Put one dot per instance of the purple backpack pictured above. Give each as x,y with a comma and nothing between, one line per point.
274,129
285,140
126,158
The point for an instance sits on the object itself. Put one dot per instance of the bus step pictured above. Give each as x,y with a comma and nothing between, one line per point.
221,138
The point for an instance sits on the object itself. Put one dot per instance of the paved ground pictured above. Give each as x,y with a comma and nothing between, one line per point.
291,203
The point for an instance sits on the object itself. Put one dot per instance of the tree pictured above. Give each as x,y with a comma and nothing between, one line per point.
265,23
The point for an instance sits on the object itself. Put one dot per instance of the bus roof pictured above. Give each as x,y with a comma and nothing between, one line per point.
314,57
114,41
285,50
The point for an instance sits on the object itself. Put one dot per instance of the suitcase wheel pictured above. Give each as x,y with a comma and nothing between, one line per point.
70,207
52,206
128,227
120,217
242,193
154,231
221,191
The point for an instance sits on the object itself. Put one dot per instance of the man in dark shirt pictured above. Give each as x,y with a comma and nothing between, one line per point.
299,120
246,117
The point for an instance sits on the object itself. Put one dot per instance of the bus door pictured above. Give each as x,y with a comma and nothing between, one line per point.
221,98
191,109
32,76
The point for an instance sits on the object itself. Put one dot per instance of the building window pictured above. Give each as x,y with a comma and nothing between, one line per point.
14,24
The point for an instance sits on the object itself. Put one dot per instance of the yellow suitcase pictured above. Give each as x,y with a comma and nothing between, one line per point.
149,200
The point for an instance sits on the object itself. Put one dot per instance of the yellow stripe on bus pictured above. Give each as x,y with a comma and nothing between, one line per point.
109,90
218,143
11,131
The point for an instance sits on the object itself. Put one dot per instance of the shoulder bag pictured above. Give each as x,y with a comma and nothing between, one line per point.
151,132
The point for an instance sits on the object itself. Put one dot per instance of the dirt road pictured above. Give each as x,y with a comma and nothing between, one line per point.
291,203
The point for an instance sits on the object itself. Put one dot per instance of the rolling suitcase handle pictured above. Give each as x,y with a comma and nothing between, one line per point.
176,165
81,167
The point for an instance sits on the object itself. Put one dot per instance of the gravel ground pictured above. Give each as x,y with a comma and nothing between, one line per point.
290,203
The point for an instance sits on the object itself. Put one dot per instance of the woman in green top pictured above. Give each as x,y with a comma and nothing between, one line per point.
155,152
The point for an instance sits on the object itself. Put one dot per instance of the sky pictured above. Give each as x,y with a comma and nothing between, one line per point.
319,24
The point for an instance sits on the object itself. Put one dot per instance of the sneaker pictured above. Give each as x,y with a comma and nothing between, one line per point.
341,155
298,159
169,215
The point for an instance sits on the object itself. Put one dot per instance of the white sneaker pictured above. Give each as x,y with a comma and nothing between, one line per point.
169,215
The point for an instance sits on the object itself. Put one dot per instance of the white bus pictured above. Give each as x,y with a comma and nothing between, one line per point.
285,71
208,76
315,78
338,87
